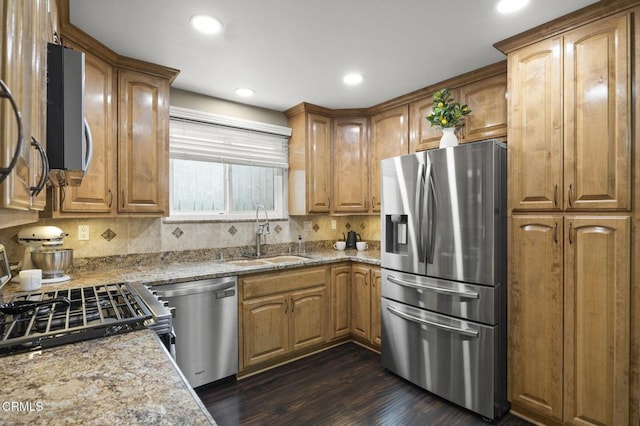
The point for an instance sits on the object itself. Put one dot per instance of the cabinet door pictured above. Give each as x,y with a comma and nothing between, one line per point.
97,191
535,315
487,100
350,146
40,37
360,302
16,71
535,132
318,170
597,324
389,138
143,143
340,301
265,329
597,116
307,318
376,284
421,135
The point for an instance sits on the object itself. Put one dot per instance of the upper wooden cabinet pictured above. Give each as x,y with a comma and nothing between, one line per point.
389,138
422,135
310,178
351,161
143,143
487,100
97,193
579,159
23,55
127,109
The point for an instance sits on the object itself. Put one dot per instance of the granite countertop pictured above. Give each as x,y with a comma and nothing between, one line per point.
176,272
123,379
128,378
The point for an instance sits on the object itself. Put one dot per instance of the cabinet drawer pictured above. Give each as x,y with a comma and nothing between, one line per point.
279,282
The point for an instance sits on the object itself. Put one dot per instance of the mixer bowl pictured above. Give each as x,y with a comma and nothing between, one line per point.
52,262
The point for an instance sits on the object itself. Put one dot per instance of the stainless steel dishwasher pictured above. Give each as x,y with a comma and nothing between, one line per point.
206,327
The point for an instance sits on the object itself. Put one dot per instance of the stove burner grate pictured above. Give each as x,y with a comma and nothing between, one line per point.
95,311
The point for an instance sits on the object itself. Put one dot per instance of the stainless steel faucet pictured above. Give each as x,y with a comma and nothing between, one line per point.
262,228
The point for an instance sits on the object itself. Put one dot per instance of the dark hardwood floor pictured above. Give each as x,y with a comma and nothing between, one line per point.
345,385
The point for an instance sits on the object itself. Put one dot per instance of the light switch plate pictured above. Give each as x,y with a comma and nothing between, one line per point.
334,224
83,232
307,225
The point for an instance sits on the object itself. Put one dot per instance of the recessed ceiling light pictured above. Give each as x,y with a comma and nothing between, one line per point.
509,6
245,92
353,79
206,24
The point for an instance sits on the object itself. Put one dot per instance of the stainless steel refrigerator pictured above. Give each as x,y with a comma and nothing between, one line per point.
444,273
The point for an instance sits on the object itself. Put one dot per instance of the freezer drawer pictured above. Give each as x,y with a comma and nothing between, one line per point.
454,359
466,301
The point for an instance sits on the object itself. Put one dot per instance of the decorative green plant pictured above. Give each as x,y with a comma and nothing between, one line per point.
447,112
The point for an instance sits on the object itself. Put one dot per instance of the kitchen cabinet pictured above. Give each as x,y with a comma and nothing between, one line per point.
127,108
569,318
310,177
340,301
351,162
569,160
421,135
570,304
282,313
23,51
487,100
365,303
143,143
97,192
389,138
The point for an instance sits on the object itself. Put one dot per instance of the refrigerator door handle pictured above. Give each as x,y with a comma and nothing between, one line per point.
418,210
465,294
463,331
432,213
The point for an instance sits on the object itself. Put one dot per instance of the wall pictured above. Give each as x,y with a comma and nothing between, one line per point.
123,236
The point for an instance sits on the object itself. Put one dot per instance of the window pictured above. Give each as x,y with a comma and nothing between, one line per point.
222,168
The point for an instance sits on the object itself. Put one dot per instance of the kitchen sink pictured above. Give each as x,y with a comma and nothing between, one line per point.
267,260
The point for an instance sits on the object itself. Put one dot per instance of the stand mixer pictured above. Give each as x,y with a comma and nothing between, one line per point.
36,238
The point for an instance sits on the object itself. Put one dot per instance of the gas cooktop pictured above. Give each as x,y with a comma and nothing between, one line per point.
90,312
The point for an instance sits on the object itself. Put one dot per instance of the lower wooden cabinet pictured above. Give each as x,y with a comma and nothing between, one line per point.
569,318
365,303
340,300
281,313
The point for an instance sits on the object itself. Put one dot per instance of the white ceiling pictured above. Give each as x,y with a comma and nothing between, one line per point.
292,51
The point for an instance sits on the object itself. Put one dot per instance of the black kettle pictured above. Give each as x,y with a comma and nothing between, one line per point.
352,237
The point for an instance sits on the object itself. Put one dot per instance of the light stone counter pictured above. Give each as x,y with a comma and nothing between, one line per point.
127,379
176,271
123,379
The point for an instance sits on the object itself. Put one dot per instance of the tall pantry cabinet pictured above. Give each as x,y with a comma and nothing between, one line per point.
571,147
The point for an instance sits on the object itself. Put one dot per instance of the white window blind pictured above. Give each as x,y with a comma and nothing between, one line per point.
204,138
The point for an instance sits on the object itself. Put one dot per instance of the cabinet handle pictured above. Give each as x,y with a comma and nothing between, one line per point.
122,198
555,233
110,198
373,199
286,305
35,190
555,195
570,228
329,203
570,190
293,306
6,93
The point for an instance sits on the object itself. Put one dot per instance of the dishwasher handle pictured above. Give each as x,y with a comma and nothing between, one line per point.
196,287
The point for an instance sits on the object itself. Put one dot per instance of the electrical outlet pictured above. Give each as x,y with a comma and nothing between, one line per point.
334,224
307,226
83,232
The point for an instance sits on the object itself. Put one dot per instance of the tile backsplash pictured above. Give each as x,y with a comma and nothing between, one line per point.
129,236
